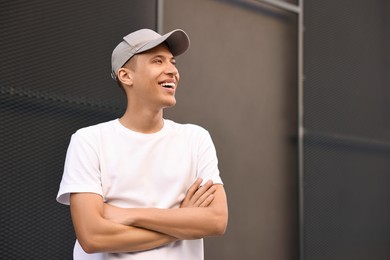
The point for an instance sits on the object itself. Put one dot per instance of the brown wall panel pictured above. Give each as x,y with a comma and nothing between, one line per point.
239,81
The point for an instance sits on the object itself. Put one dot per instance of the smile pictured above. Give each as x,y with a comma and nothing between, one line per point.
168,85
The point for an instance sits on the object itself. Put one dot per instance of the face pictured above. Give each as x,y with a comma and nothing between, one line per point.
154,78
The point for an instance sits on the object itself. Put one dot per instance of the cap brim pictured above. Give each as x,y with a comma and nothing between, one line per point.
177,40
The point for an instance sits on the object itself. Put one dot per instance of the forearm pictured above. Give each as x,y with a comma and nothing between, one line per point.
97,234
183,223
110,237
188,222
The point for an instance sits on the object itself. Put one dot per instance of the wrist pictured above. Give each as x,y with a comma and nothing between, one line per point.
129,217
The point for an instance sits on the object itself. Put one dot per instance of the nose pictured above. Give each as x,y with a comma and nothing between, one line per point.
171,69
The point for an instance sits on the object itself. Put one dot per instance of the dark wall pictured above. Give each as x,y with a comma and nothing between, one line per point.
347,130
54,78
238,80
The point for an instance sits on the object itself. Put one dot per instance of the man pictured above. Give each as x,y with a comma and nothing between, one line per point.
141,186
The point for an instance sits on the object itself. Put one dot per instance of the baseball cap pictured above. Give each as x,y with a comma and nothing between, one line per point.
146,39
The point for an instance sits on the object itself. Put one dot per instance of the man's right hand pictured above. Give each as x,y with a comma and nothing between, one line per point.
199,196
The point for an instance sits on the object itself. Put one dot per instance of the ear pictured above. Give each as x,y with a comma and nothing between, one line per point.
125,76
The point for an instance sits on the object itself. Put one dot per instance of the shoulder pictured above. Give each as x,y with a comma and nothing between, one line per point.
194,135
187,129
93,129
94,132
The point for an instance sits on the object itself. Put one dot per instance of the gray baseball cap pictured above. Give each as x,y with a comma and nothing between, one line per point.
146,39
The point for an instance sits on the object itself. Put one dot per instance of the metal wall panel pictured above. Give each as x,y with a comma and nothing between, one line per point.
54,79
347,130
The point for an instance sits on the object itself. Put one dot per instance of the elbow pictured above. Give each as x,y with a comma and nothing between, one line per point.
91,240
89,246
221,230
220,224
215,227
220,227
88,249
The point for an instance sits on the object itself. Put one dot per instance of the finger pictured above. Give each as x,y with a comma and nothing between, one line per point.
205,195
200,191
194,187
207,201
190,192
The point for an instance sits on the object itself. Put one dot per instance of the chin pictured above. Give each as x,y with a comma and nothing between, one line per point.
170,103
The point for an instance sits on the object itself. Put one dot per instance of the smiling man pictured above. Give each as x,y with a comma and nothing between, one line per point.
141,186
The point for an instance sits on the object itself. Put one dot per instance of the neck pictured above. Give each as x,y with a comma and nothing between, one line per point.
146,122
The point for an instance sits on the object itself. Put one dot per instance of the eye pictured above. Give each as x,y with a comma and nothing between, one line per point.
158,61
173,61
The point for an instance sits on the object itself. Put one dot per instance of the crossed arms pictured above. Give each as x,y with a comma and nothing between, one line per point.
101,227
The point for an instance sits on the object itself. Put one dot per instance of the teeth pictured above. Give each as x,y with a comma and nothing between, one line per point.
166,84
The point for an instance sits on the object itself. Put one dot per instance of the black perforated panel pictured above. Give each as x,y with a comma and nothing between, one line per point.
54,78
347,139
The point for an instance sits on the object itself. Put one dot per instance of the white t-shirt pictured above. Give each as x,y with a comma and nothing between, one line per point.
133,170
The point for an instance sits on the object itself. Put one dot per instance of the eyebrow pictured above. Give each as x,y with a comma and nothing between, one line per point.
163,56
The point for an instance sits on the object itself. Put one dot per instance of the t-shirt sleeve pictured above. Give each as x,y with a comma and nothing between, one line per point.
207,159
81,169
